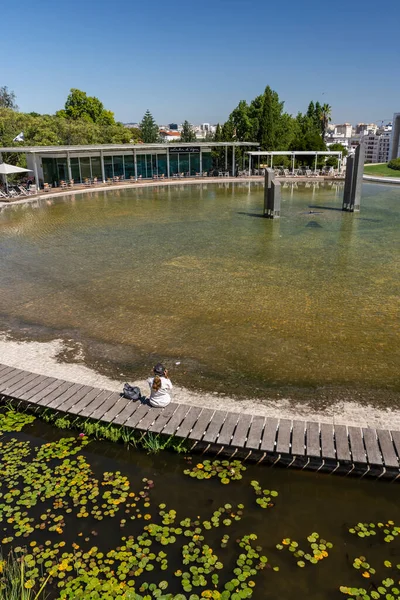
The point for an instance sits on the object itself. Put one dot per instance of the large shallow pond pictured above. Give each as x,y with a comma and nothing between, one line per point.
191,274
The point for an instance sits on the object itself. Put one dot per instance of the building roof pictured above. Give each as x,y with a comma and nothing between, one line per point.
114,147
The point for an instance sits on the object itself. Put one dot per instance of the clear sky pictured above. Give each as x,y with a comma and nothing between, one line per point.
196,60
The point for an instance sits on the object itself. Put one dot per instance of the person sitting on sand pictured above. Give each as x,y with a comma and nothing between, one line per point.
159,386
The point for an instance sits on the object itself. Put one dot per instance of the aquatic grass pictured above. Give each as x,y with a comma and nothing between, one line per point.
14,583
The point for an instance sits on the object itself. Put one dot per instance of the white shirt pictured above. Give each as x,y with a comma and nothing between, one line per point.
161,397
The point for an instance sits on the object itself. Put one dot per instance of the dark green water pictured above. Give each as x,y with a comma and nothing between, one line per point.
307,502
306,305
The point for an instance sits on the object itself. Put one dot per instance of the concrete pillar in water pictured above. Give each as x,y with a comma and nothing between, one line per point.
347,183
275,211
353,181
358,171
269,178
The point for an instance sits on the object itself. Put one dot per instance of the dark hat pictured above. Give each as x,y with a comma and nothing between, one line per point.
159,369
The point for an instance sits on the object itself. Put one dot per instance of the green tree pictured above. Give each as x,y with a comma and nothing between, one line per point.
7,98
325,118
81,106
339,148
149,129
241,122
187,135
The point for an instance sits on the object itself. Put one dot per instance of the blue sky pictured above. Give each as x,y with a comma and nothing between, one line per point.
196,60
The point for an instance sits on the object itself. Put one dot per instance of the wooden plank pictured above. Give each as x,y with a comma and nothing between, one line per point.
4,368
118,407
255,433
62,387
313,445
75,398
127,412
242,429
22,385
188,422
8,373
357,445
9,384
94,405
214,426
298,438
41,391
33,386
269,436
342,443
226,433
327,441
396,441
387,448
137,415
149,418
176,420
58,402
201,425
99,412
85,401
371,445
283,441
164,417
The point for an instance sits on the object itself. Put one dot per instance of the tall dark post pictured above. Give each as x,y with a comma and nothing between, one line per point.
347,182
269,177
353,181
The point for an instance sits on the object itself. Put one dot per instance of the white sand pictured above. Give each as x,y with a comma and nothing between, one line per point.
42,358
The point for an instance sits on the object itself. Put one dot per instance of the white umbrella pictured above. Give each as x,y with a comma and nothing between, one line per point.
6,169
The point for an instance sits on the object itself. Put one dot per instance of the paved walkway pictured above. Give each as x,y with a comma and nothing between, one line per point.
311,445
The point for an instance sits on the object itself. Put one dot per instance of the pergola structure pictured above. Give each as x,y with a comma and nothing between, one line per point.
295,153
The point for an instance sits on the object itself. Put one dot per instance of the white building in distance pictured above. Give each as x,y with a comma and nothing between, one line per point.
377,145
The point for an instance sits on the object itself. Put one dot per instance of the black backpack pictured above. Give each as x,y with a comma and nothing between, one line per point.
131,392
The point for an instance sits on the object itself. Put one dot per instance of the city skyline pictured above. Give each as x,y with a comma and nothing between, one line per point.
214,59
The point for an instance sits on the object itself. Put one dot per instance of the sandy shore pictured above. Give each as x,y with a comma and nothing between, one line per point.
43,358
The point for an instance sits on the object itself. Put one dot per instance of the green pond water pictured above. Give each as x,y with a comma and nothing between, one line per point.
306,305
307,502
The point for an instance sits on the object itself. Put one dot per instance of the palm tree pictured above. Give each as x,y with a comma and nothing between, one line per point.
326,111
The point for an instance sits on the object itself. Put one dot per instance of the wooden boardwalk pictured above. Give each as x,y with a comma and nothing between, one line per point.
318,446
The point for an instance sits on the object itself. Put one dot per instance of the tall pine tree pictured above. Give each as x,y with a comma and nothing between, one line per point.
149,129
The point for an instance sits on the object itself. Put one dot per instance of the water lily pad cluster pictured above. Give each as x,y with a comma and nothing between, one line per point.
47,489
226,470
318,549
388,588
265,496
12,420
388,529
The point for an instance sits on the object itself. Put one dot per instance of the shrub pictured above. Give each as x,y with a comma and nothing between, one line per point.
394,164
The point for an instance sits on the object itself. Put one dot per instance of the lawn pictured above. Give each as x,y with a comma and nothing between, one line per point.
381,170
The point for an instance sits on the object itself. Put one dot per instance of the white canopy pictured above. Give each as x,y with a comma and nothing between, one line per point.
6,169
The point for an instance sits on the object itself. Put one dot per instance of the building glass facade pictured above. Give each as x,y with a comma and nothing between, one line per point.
148,165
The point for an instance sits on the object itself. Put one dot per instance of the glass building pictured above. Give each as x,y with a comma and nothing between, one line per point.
104,162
